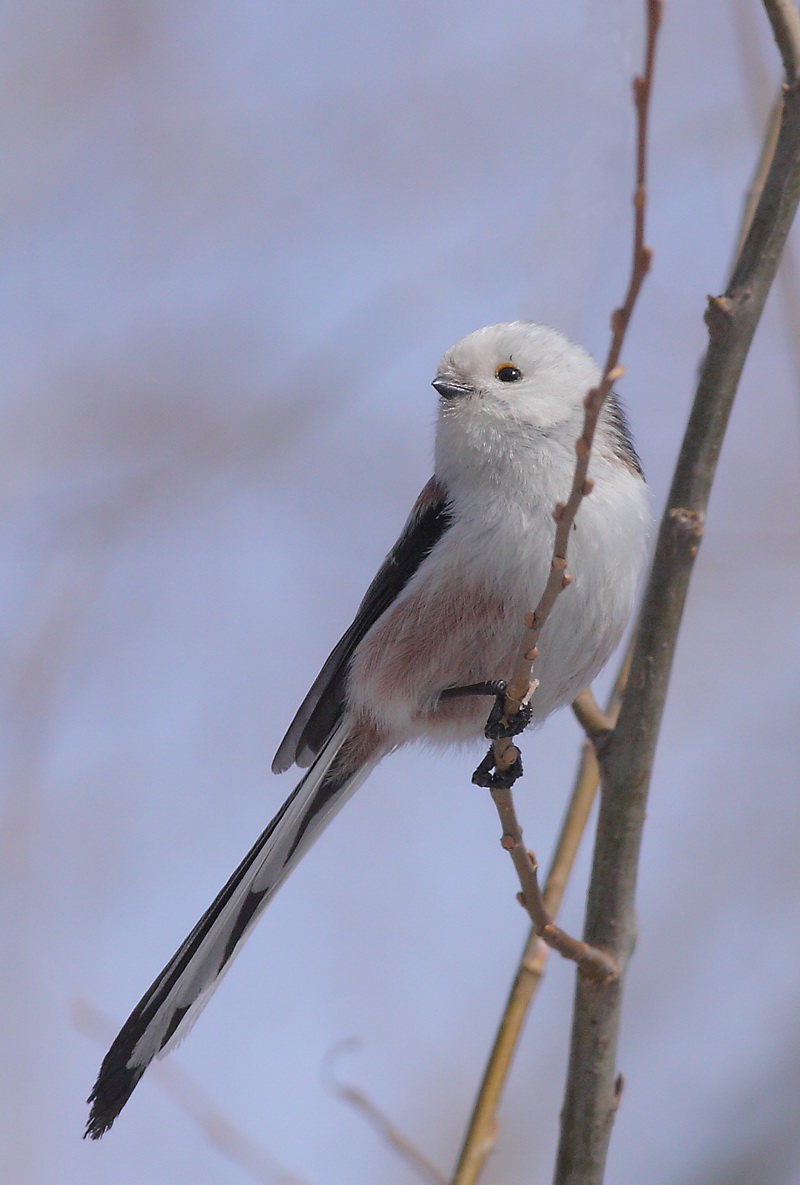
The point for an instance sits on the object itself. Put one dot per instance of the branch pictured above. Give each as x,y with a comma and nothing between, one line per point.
591,1093
480,1135
760,83
564,512
504,756
400,1143
785,21
594,963
591,717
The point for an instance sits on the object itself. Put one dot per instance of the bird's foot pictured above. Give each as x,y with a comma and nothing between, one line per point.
490,777
499,725
494,687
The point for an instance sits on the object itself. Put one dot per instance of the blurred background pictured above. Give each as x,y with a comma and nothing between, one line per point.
238,236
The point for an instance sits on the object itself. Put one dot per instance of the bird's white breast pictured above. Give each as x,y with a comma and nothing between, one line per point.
461,618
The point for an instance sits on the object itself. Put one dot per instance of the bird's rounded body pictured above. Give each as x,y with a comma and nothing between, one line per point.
460,618
445,610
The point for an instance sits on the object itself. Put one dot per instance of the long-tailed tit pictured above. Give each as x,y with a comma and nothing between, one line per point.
445,610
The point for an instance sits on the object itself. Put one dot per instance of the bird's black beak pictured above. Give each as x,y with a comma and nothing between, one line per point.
450,390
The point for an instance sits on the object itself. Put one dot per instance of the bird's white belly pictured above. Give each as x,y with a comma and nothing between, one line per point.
461,621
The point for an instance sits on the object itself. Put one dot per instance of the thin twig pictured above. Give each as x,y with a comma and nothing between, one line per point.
396,1140
595,963
760,84
564,512
753,195
591,717
626,763
480,1135
192,1098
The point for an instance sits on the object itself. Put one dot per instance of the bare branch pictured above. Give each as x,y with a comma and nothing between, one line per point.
785,21
398,1142
626,763
760,84
564,513
480,1135
591,717
504,756
594,963
765,156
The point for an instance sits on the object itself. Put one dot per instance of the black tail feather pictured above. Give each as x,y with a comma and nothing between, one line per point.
117,1078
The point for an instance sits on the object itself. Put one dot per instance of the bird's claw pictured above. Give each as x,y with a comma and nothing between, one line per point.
488,776
499,725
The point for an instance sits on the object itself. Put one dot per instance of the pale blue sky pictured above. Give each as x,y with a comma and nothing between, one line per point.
238,238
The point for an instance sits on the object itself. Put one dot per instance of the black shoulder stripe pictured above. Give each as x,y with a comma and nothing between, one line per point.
400,565
322,708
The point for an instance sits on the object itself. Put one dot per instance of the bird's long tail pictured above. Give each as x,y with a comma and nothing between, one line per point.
168,1009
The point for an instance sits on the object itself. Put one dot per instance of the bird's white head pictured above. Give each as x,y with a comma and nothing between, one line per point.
509,391
512,395
516,370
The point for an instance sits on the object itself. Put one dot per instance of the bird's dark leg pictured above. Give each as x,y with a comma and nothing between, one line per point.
488,687
498,727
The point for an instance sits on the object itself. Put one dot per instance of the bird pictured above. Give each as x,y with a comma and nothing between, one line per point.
445,611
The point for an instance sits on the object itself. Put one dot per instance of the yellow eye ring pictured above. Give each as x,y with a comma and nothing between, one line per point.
508,373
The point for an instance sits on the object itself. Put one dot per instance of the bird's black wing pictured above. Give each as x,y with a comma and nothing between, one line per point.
322,708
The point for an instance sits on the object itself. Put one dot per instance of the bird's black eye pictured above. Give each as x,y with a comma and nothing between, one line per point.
508,373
